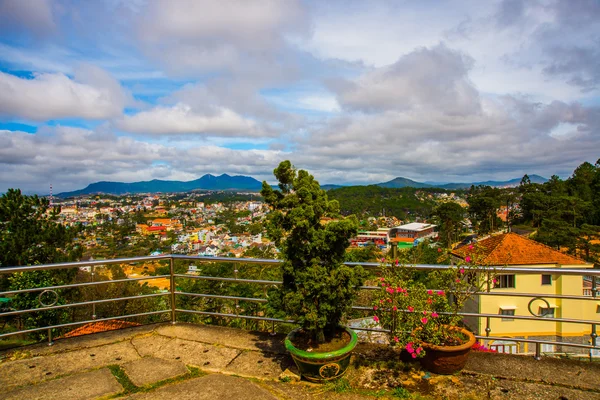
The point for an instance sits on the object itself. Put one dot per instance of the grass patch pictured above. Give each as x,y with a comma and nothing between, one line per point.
129,387
123,379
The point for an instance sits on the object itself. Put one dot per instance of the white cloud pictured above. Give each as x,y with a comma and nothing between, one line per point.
93,94
428,78
181,119
245,37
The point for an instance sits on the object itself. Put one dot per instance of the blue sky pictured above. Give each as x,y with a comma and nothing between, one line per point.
353,91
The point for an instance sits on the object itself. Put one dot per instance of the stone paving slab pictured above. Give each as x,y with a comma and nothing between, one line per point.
260,365
210,387
38,369
230,337
202,355
148,345
88,385
146,371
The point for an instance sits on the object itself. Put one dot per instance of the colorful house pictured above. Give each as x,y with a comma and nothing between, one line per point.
512,250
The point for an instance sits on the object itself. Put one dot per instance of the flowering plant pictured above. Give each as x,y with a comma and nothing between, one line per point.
415,313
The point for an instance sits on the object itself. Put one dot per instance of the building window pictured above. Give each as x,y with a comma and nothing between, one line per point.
546,312
505,281
509,313
548,348
546,279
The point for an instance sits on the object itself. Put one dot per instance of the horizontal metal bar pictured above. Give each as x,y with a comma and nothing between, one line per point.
236,316
42,267
72,285
532,295
526,317
227,259
511,339
84,322
214,296
85,303
218,278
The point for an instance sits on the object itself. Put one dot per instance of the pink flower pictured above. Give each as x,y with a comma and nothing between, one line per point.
383,259
495,280
418,350
430,292
462,270
381,301
410,308
395,308
424,312
409,347
396,339
440,293
470,247
375,308
424,320
397,262
389,300
376,318
398,290
434,314
414,355
382,279
457,280
439,250
389,290
468,259
429,301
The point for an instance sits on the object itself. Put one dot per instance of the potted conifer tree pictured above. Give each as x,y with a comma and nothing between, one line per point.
317,287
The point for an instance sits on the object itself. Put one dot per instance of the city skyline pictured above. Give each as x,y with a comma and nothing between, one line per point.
354,92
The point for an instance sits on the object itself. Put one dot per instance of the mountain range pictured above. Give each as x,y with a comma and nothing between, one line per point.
240,182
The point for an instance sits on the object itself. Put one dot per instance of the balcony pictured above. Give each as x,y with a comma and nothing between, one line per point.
178,350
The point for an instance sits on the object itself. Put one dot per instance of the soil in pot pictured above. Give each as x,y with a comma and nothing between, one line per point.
340,339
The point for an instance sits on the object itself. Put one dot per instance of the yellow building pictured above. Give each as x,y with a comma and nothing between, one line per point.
514,251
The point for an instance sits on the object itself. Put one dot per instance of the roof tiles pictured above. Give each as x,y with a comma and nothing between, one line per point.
513,249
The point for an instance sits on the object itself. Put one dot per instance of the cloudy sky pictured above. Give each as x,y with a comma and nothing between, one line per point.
353,91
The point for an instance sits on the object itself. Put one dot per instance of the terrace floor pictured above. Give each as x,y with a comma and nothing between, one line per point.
186,361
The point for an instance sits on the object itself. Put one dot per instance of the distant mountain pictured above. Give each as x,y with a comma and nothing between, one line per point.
207,182
405,182
509,183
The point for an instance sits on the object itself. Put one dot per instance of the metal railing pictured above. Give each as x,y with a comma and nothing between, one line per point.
235,311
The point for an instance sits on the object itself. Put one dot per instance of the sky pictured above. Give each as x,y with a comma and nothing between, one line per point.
355,92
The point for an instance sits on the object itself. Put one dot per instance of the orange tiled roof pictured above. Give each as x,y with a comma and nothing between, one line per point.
100,326
513,249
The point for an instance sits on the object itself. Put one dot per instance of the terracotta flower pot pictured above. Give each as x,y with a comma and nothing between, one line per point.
447,360
321,367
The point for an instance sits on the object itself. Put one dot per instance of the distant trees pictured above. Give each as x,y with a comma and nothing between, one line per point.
30,233
484,202
449,217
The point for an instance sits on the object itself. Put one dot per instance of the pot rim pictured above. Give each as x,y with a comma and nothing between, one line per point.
464,346
315,355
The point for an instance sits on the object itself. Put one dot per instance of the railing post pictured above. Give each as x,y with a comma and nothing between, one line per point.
594,336
93,273
487,319
538,351
172,272
594,289
50,342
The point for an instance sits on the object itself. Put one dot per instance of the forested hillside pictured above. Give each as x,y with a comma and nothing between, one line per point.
377,201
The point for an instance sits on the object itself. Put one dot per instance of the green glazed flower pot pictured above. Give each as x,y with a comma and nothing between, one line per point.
321,367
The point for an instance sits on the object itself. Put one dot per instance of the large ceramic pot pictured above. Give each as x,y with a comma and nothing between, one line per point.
447,360
321,367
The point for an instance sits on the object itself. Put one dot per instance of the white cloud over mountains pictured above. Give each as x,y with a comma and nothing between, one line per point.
352,91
